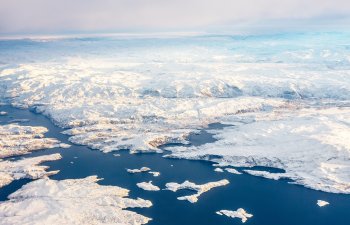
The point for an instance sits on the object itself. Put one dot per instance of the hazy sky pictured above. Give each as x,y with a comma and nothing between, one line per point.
50,16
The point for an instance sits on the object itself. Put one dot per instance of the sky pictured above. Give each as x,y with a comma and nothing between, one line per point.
59,16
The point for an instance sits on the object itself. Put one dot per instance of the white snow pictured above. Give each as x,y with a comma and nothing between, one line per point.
239,213
75,201
148,186
200,189
287,98
18,140
25,168
266,174
311,145
322,203
142,169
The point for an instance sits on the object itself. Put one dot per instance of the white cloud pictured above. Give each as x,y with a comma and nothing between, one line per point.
95,15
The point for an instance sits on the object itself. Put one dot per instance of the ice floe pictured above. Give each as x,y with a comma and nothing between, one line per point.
72,201
25,168
3,113
239,213
18,140
154,173
322,203
142,169
232,170
148,186
218,170
200,189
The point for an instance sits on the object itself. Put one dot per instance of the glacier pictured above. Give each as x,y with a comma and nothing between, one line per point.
285,98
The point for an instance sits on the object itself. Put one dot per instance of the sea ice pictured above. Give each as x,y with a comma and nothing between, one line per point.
218,170
148,186
154,173
25,168
142,169
239,213
72,201
232,170
322,203
192,186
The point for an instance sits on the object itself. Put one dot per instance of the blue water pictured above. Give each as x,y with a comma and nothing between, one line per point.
271,202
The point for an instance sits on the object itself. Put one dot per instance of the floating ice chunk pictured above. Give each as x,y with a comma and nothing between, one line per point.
192,186
18,140
322,203
64,145
116,155
218,170
148,186
266,174
239,213
25,168
3,113
232,170
142,169
73,201
154,173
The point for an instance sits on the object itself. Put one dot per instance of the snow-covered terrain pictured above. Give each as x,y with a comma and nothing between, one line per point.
286,96
19,140
311,145
239,213
75,201
25,168
200,188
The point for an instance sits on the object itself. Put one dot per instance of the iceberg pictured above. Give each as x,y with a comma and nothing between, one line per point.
239,213
148,186
322,203
154,173
200,189
142,169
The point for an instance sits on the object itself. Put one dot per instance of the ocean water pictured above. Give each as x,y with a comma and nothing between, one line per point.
271,202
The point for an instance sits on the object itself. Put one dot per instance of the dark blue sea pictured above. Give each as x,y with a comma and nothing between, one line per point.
271,202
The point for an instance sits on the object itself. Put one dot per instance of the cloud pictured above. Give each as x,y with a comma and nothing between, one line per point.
18,16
